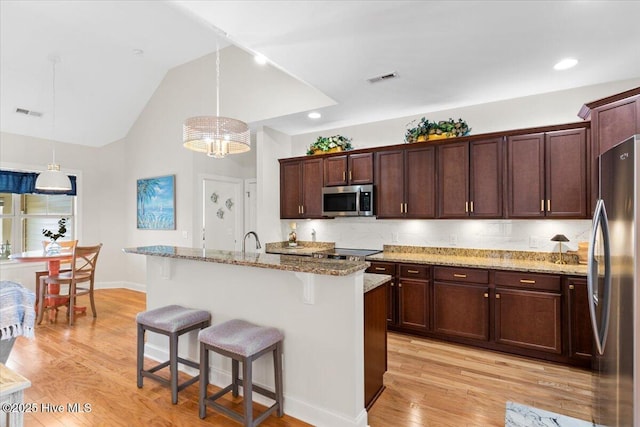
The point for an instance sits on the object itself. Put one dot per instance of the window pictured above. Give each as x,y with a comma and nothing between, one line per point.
25,215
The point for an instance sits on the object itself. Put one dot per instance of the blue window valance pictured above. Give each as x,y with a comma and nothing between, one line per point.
25,183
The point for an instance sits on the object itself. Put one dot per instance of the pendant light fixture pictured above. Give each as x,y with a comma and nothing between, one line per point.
215,135
52,179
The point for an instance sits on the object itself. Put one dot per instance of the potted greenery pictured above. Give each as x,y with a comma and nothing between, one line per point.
54,246
427,130
330,145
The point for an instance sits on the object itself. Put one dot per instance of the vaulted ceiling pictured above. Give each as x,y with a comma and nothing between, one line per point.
446,54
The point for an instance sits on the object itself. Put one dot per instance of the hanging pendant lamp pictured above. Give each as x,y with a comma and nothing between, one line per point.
52,179
215,135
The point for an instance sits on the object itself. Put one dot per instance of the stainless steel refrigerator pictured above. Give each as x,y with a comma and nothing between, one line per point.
613,282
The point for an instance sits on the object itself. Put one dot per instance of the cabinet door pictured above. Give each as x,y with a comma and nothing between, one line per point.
566,173
360,169
485,185
525,193
335,171
413,304
312,174
453,180
290,189
461,310
528,319
579,327
420,183
390,184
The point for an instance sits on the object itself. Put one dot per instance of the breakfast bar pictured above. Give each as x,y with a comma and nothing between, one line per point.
317,304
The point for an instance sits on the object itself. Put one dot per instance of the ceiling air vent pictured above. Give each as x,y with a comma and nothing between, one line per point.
383,77
28,112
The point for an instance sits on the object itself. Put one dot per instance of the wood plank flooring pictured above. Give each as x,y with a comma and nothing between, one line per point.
429,383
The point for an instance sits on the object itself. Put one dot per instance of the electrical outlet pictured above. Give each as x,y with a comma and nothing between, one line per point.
534,242
453,239
395,238
185,234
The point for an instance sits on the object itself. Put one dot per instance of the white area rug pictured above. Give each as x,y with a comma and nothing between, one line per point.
517,415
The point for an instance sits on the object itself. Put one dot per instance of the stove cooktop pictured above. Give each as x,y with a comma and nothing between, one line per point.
346,253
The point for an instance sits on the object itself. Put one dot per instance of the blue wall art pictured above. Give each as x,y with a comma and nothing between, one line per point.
156,203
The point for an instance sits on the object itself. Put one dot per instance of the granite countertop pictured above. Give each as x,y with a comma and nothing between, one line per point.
372,281
500,260
272,261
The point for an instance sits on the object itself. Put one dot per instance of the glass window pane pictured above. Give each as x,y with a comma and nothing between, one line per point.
5,236
45,204
33,238
6,206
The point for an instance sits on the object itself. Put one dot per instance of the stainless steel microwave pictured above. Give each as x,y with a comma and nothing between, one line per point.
350,200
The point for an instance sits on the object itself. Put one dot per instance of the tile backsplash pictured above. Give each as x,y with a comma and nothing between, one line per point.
370,233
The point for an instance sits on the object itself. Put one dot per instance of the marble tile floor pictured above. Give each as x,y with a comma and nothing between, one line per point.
518,415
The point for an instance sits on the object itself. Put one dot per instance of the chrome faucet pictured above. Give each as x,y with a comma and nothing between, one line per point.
258,246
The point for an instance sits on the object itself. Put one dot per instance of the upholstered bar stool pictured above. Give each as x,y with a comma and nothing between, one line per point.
242,342
173,321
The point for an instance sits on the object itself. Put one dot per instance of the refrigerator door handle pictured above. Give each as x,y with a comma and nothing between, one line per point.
600,328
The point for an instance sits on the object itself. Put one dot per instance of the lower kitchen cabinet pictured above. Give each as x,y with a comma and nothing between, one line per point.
538,315
528,319
580,337
413,297
461,302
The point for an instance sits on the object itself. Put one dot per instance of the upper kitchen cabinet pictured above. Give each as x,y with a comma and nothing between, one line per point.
547,174
405,183
351,169
613,119
470,179
301,188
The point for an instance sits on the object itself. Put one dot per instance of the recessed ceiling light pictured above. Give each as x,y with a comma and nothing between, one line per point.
314,115
137,52
565,64
260,59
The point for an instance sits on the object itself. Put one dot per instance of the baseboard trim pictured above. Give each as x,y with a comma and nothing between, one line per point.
121,285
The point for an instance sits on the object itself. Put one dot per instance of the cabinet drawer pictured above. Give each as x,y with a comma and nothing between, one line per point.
463,275
382,268
528,280
414,271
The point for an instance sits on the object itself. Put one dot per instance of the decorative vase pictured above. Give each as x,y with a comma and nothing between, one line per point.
330,150
53,248
435,137
422,138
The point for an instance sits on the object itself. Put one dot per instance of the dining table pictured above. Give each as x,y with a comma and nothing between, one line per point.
53,261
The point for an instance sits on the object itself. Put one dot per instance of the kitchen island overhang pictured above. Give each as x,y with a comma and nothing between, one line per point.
318,304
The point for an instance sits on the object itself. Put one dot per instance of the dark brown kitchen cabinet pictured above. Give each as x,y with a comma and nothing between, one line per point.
413,297
389,268
461,302
579,320
375,343
301,189
613,119
351,169
547,175
405,183
470,179
528,311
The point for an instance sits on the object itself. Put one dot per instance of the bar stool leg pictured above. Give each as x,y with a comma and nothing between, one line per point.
235,377
204,379
277,368
140,354
247,390
173,366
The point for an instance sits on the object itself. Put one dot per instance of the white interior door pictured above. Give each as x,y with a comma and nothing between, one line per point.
223,222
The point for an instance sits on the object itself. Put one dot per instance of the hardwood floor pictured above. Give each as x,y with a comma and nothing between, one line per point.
429,383
432,383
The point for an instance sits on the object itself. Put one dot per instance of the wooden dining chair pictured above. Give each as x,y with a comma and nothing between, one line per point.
64,266
83,266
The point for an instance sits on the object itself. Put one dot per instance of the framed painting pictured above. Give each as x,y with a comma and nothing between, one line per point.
156,206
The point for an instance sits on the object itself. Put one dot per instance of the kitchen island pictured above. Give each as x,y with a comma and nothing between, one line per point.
318,304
